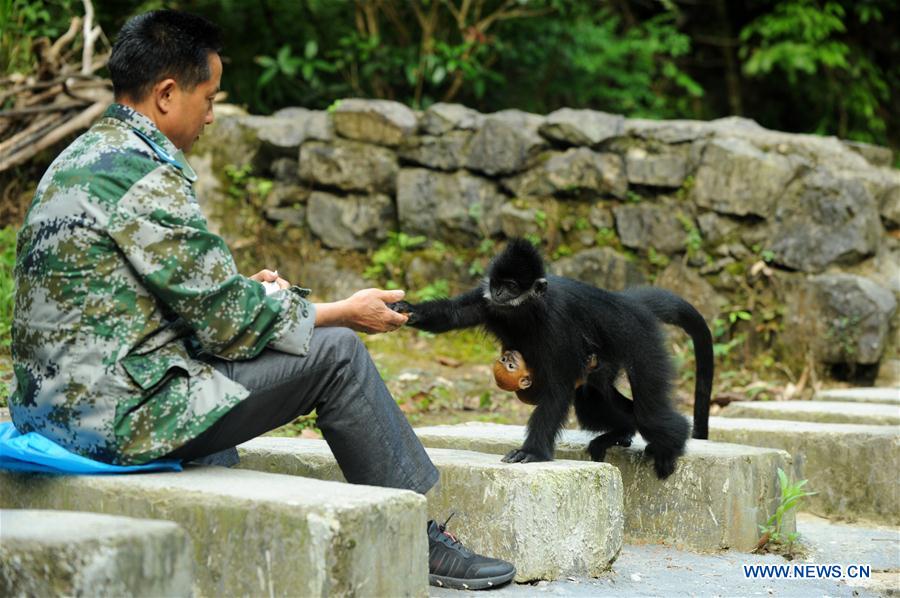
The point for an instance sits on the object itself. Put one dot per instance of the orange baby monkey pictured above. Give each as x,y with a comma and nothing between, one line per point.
511,373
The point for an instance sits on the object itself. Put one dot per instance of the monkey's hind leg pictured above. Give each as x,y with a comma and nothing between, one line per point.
665,430
607,410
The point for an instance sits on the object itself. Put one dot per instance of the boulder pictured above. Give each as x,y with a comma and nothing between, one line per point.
285,170
581,127
687,282
883,184
382,122
228,141
841,318
889,375
668,131
352,221
506,143
521,217
645,224
578,171
716,228
279,137
457,207
734,177
448,151
602,267
441,118
287,203
657,169
875,155
822,219
349,166
601,216
329,280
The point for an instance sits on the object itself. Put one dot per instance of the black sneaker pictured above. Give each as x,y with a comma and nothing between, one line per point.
452,565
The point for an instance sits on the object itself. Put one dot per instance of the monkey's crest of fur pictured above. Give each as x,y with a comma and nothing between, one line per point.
520,261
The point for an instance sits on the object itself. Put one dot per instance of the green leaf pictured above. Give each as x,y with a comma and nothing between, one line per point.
311,49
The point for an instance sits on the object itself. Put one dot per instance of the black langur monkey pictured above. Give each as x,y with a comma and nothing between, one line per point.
557,323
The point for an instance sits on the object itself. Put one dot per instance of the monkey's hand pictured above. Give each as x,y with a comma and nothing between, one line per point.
520,455
403,307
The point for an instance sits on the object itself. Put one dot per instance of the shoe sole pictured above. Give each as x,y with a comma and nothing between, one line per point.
483,583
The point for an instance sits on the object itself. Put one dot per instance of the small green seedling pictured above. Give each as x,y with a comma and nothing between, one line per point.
773,537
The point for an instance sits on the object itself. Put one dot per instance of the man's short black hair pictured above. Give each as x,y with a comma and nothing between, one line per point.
161,44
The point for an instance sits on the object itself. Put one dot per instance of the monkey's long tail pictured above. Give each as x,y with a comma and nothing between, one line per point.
674,310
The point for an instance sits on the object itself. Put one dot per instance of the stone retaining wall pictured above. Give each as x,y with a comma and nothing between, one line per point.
713,210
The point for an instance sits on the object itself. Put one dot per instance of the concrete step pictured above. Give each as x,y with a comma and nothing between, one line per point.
852,467
261,534
63,553
716,498
549,519
817,411
888,396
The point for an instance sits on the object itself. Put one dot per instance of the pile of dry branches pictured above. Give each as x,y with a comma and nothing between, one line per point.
61,98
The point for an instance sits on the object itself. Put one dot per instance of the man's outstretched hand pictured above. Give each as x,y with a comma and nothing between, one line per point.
363,311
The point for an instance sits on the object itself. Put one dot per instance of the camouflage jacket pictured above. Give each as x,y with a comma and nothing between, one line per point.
120,288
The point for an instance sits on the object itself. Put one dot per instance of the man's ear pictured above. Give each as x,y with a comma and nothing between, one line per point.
163,94
540,286
524,382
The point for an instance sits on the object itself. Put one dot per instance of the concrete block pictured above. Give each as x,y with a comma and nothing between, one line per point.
816,411
56,553
852,467
550,519
261,534
716,498
888,396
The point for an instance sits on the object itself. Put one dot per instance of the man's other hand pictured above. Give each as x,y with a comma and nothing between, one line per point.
270,276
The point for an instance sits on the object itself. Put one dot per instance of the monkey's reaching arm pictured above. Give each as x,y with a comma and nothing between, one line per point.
441,315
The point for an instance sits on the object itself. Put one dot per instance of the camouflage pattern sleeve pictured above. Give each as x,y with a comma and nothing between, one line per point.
192,272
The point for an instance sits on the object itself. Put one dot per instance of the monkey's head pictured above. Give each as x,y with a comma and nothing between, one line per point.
516,275
511,373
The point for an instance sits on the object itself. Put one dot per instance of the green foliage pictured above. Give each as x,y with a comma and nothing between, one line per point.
439,289
284,69
791,496
583,56
24,21
7,292
660,260
632,197
533,239
387,258
724,334
807,43
7,285
693,241
606,237
562,251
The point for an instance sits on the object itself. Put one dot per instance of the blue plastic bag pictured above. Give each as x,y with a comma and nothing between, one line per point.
32,452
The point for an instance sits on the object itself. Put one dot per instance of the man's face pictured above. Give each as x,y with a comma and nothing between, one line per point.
191,110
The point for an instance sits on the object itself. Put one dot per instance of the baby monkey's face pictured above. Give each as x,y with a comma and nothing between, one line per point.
511,372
